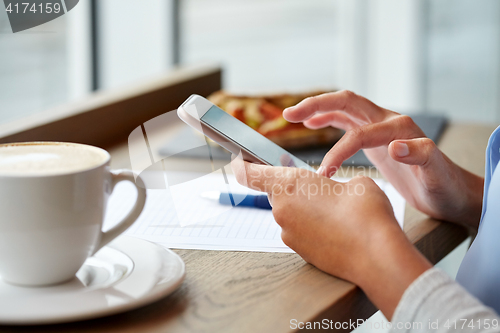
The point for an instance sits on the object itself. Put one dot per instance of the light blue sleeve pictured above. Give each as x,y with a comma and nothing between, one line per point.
480,270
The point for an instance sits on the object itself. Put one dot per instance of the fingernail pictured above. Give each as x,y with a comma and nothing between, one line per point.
285,112
320,170
401,149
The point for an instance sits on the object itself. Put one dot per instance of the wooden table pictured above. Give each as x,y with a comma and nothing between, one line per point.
262,292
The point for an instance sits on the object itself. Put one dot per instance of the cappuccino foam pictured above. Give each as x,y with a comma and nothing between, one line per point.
47,158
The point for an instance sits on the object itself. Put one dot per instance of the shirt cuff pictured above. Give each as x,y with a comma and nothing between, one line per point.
416,294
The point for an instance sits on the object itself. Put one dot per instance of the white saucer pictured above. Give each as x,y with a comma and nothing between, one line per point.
126,274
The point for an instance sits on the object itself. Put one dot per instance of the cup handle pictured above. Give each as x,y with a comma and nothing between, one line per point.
116,177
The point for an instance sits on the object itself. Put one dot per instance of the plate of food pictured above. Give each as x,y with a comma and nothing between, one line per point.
264,114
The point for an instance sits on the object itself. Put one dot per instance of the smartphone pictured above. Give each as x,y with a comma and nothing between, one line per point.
234,135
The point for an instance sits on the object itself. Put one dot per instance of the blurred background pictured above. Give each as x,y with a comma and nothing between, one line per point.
414,56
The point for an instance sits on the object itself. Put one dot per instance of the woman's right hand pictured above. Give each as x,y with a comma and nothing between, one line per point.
413,164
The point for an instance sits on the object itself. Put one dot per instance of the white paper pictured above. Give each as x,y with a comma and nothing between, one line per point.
182,219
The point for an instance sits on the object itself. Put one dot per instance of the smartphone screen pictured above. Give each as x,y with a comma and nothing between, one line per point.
250,140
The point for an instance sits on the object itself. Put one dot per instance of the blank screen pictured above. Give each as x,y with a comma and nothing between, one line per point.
251,140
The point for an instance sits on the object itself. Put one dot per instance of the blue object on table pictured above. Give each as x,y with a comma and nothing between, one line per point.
243,200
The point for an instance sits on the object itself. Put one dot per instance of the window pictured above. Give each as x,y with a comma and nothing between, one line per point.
412,56
33,68
463,59
263,45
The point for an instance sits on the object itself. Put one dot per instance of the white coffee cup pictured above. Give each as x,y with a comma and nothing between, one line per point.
52,203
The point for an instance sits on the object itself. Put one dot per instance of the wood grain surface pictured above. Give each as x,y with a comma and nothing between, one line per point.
262,292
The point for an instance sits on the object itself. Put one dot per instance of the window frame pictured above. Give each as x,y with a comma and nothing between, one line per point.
106,118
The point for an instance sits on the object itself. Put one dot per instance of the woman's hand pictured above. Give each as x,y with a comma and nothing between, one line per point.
413,164
345,229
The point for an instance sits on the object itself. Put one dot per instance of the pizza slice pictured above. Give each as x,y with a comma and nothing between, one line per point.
265,115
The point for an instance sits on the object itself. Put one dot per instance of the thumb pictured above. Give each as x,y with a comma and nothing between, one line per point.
421,151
